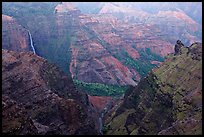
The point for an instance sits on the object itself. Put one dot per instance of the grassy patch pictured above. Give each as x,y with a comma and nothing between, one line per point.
117,124
97,89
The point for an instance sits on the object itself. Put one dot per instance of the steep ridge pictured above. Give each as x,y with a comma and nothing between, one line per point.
44,99
167,101
14,36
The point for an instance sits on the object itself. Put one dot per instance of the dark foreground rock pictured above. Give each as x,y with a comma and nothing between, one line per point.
38,98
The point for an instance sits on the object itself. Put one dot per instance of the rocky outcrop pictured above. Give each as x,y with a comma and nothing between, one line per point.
178,47
167,102
44,99
195,52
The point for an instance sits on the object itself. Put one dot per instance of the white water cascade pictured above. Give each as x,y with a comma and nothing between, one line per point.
31,42
101,121
100,126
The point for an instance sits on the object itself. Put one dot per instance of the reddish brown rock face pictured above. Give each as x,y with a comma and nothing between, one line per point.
133,53
160,47
99,102
96,39
91,60
121,37
121,72
14,36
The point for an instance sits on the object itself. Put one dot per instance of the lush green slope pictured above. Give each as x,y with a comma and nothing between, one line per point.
97,89
143,64
167,101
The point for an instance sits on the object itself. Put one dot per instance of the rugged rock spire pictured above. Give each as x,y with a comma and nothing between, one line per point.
178,46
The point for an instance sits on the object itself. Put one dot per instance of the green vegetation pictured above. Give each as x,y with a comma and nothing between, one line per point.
116,126
97,89
163,97
143,64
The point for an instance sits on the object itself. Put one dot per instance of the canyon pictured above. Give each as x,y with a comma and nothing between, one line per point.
112,68
101,49
167,102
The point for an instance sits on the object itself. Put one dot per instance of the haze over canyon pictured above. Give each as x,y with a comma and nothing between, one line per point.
128,68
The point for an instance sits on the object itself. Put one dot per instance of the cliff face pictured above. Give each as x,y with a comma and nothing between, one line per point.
99,102
118,46
126,37
91,61
38,98
14,36
168,101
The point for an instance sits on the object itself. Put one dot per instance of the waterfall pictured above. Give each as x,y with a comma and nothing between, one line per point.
105,110
100,125
31,42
